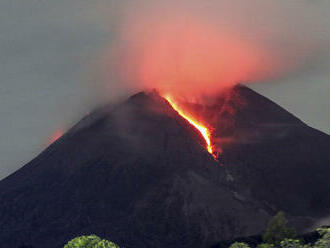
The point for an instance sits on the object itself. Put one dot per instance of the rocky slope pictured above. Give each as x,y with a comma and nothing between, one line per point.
139,175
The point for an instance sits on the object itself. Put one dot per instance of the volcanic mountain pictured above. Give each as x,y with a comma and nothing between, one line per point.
138,174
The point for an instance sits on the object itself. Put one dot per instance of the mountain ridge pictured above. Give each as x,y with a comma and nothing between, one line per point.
138,174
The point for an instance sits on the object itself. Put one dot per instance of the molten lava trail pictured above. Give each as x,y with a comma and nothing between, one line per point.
205,132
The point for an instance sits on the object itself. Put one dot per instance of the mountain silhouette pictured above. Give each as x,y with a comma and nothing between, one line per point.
138,174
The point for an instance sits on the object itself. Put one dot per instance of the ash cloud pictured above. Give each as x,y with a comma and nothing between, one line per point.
61,58
202,46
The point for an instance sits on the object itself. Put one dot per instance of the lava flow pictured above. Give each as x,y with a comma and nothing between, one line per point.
205,132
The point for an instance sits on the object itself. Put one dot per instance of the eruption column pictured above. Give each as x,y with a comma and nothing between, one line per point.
201,128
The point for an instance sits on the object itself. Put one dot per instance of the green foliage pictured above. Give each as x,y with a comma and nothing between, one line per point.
105,244
279,222
277,230
90,241
293,243
324,241
83,242
265,246
239,245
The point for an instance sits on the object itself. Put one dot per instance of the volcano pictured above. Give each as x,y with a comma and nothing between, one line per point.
137,173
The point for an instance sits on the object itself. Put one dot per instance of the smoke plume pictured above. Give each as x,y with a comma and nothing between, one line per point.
193,47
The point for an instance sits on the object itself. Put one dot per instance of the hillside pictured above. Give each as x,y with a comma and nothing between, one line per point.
139,175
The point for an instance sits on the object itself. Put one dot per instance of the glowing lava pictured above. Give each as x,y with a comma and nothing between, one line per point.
205,132
58,134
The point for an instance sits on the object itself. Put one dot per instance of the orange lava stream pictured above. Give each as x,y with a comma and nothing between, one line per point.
201,128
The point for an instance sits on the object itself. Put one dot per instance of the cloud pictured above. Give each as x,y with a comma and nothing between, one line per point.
193,46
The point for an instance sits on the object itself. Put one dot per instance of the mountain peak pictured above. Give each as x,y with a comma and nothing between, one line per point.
138,173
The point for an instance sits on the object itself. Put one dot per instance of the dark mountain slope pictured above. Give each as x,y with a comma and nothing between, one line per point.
137,174
278,159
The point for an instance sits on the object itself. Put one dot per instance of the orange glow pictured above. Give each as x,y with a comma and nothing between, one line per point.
58,134
186,55
205,132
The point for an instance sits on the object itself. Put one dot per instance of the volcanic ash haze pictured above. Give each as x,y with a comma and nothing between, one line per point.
185,57
191,51
190,57
192,48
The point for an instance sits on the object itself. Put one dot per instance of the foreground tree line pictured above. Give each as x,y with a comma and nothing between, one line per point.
277,235
90,241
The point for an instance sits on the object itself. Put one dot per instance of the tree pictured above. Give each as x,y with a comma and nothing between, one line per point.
293,243
277,230
239,245
91,241
105,244
324,241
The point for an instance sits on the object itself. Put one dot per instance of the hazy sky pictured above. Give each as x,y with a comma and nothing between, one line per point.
50,52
